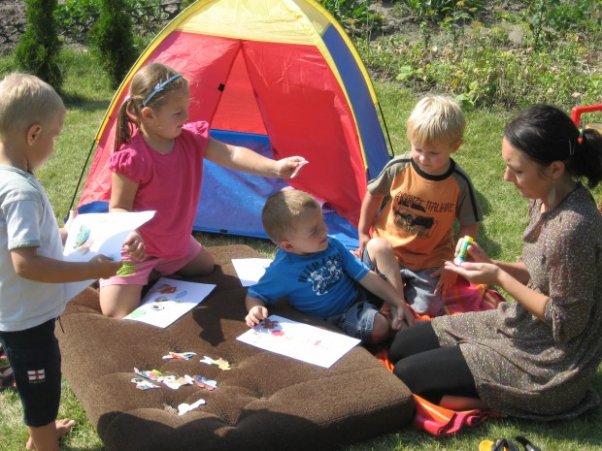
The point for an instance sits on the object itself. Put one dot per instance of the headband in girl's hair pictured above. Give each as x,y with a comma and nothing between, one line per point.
160,87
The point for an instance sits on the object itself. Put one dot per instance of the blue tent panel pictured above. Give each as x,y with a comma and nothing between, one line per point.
373,141
231,201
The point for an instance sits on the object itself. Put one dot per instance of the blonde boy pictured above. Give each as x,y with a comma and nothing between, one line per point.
409,211
318,275
31,266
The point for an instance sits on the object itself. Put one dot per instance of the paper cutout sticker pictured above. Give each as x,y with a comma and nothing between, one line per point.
179,355
220,363
143,384
205,383
185,407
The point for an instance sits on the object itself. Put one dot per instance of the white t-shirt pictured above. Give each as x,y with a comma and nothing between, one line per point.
26,220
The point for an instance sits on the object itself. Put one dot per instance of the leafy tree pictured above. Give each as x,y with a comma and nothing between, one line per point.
38,49
112,40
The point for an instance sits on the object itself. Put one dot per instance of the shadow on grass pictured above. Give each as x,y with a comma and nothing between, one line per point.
84,103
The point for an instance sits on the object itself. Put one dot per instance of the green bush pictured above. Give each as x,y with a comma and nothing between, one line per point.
75,17
355,16
38,49
484,67
112,40
436,11
549,20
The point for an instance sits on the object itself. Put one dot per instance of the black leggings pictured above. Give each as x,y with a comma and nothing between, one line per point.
428,369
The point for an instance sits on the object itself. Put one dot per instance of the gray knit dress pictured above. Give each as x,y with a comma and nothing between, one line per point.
537,369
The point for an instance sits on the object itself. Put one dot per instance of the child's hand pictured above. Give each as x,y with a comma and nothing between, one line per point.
103,267
64,231
402,317
447,280
134,246
288,168
255,315
363,238
69,221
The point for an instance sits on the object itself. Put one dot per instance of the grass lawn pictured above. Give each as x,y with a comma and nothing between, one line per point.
87,96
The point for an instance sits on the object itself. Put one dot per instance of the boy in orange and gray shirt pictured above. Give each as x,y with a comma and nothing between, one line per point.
411,207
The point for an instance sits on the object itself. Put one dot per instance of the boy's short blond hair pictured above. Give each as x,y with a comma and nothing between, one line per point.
26,100
435,119
283,209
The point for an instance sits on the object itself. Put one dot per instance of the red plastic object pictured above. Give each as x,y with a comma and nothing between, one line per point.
577,111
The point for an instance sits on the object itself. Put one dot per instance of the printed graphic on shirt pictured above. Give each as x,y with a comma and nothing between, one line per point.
416,215
323,274
36,376
410,215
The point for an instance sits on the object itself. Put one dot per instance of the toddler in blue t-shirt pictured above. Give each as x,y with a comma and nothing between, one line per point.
319,276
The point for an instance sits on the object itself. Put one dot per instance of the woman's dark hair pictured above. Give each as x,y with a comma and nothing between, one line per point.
547,134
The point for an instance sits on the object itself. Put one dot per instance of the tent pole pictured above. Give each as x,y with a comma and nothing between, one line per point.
382,115
81,176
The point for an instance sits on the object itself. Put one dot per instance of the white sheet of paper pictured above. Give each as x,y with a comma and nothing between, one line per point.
101,233
250,270
91,234
300,341
168,300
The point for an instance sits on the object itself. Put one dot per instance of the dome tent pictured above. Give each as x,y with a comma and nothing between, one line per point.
278,76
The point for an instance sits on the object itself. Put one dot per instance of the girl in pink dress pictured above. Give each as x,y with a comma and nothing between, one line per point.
157,165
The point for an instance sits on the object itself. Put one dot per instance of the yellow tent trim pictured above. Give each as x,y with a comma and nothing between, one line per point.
255,20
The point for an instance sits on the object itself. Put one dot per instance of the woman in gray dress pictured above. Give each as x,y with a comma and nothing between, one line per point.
535,357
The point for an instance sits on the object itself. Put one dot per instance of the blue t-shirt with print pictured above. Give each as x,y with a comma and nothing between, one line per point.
320,284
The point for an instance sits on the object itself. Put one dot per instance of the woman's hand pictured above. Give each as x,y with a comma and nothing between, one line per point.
289,167
476,253
486,273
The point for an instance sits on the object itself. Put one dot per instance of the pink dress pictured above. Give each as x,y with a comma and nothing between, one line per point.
169,183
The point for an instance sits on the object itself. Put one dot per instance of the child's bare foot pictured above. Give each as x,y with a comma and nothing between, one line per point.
63,427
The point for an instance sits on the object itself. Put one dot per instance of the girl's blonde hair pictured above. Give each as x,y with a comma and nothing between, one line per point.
26,100
283,209
149,88
435,119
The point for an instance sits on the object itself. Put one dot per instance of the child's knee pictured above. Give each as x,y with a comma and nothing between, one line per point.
117,301
378,247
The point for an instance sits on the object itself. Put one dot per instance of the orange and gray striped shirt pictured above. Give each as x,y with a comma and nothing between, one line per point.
419,211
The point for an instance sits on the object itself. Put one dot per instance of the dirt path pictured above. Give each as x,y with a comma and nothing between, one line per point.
12,24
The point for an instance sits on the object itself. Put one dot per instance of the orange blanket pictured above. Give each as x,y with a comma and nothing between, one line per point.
432,418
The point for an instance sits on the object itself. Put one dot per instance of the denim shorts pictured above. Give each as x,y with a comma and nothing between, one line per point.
358,320
419,288
35,358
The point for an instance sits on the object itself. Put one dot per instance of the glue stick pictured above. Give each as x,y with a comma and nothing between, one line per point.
463,252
